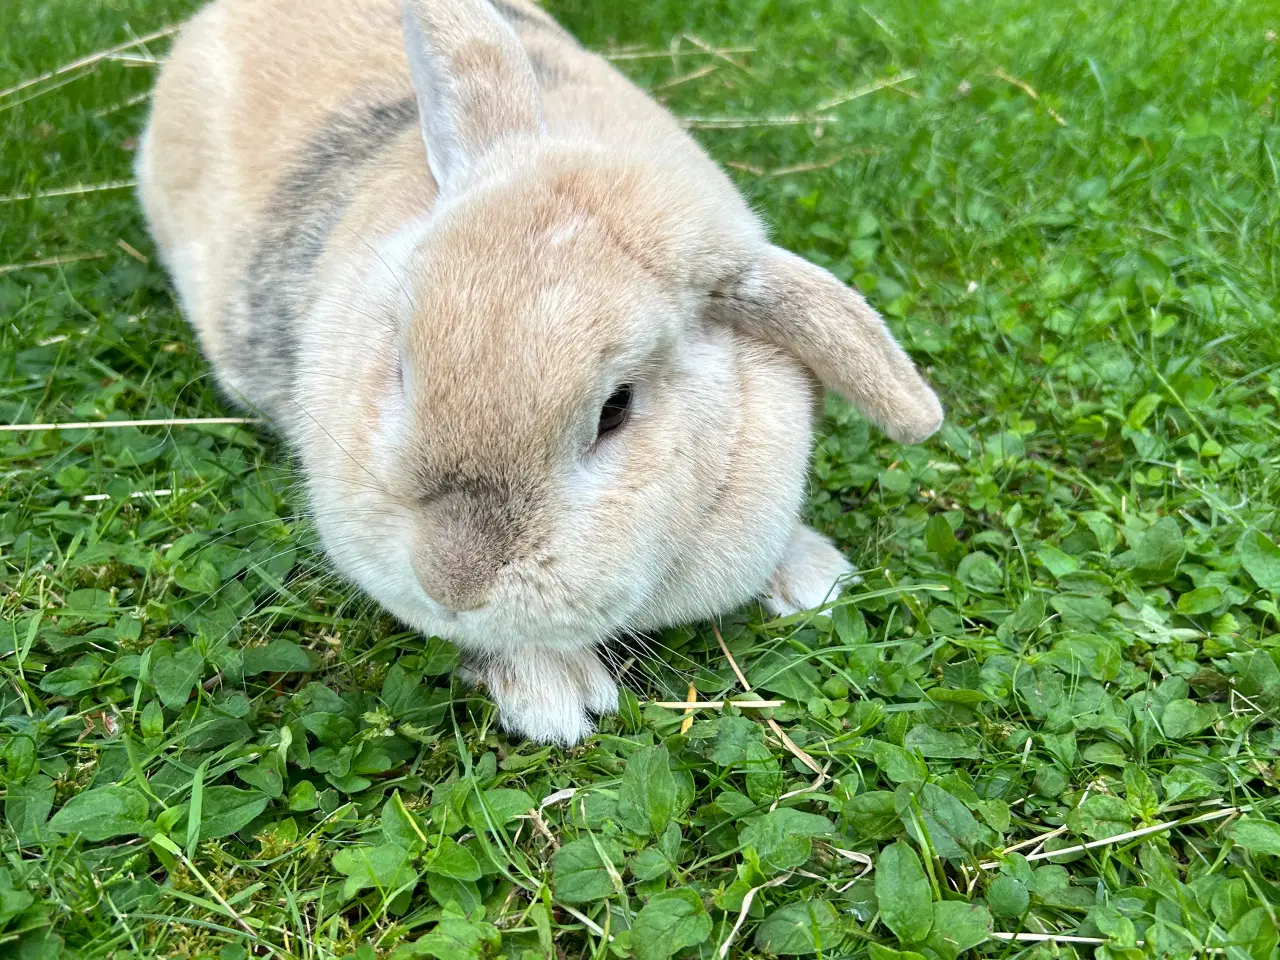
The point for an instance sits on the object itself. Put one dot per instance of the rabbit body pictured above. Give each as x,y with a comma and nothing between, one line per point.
440,246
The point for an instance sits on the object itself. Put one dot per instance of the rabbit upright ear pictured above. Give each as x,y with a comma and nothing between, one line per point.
806,311
474,82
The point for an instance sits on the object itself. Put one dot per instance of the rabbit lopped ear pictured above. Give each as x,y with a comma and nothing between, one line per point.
474,82
803,309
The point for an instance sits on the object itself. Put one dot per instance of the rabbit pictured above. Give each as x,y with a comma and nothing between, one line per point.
546,379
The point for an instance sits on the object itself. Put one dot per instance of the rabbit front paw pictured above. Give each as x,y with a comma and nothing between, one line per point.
546,695
811,573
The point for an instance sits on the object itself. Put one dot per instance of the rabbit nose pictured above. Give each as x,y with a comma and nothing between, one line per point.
461,548
457,584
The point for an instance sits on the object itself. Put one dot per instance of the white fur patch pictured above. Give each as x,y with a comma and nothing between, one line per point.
562,233
810,575
549,696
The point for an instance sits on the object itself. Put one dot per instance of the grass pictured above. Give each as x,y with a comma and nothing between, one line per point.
1048,711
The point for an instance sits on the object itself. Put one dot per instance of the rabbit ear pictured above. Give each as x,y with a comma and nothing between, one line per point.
806,311
474,82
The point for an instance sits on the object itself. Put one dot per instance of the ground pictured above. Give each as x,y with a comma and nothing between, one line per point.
1066,638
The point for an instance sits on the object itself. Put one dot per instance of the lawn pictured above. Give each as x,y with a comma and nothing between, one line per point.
1047,712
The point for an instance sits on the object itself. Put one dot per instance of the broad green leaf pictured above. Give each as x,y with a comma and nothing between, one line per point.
1141,411
1008,897
1087,583
453,938
930,742
88,606
873,814
1188,783
578,875
1005,444
329,728
1200,600
380,755
1139,794
402,690
995,814
866,224
1062,746
903,893
27,806
1058,564
894,482
152,720
278,656
980,571
348,783
41,944
1083,613
958,926
788,676
1258,675
303,796
764,775
1041,688
1101,526
448,891
265,775
1115,926
899,765
228,809
1171,940
647,796
439,657
649,864
73,680
851,626
1028,615
1255,932
1099,817
800,928
102,813
1159,552
401,827
501,806
732,738
1260,557
175,677
782,838
12,903
197,576
1185,718
451,859
953,831
669,922
385,867
941,540
20,759
1258,836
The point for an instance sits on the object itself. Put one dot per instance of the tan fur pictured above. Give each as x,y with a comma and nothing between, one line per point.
430,270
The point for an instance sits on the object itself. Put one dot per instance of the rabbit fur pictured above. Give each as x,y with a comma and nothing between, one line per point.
429,240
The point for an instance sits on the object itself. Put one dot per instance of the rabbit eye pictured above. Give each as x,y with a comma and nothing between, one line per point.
615,411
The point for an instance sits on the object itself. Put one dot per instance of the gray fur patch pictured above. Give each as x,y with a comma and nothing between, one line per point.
308,203
548,72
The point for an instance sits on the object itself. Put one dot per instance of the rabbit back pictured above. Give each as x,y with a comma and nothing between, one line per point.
286,132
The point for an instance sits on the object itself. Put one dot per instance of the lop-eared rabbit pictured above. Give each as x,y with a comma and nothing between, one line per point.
546,378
